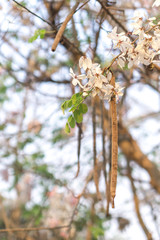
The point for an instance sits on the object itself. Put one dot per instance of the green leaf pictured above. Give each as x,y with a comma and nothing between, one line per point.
2,127
23,3
97,231
38,33
64,106
69,103
83,108
73,109
78,101
67,129
71,121
78,116
42,33
32,39
75,97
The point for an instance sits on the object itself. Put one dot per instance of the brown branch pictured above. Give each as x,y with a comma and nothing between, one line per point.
64,41
5,218
32,229
82,5
137,207
114,145
22,6
113,18
63,26
132,152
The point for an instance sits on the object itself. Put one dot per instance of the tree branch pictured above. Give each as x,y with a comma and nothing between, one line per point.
136,202
63,26
32,229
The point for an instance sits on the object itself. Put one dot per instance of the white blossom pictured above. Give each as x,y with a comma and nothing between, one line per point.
144,48
76,78
156,3
85,63
97,82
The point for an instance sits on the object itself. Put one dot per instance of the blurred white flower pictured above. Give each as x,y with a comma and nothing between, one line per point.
85,63
156,3
76,78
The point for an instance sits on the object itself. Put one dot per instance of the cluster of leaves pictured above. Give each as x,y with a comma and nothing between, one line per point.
38,33
77,107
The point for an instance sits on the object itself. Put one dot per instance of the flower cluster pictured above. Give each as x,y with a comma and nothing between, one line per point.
96,82
146,46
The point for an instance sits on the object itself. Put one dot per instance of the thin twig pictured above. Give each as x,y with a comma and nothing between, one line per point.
32,13
5,218
79,125
82,5
64,41
32,229
63,26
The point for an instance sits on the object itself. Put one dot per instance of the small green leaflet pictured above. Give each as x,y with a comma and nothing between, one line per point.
83,108
71,121
78,116
67,129
38,33
77,107
64,106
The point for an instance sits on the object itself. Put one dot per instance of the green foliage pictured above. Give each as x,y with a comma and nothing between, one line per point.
156,20
97,228
3,93
22,144
43,171
34,213
38,33
23,3
71,121
67,129
97,231
77,107
78,116
2,127
58,135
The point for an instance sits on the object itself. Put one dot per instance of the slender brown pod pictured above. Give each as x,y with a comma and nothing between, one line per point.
108,184
114,165
103,140
96,175
62,28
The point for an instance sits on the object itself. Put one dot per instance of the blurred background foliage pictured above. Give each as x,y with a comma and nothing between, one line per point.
39,160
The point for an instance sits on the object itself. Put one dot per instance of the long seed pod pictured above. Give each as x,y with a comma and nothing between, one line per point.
103,140
96,176
108,183
114,144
